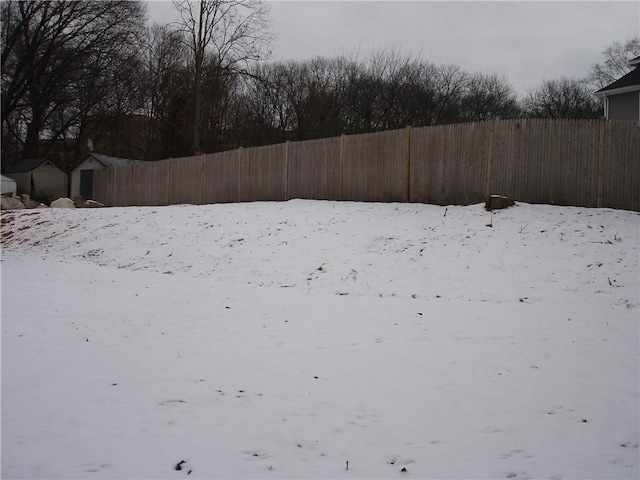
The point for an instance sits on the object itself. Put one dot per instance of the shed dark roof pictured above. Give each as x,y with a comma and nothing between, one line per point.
629,80
26,165
111,161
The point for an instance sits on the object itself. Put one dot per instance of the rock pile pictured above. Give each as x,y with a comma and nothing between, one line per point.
24,201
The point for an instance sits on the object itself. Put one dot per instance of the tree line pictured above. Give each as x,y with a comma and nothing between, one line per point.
74,72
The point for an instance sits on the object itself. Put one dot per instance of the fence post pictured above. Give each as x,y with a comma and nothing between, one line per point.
602,151
408,160
341,193
202,179
135,170
240,157
115,170
492,139
286,170
169,182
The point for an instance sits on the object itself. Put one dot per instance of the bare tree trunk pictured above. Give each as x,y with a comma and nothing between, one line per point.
197,110
231,33
199,45
30,147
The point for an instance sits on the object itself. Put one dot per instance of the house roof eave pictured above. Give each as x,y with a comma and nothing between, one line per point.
26,165
617,91
106,160
630,80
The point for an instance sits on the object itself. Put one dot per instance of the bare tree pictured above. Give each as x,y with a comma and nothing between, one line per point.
57,57
165,71
262,113
615,64
562,98
328,96
224,36
488,96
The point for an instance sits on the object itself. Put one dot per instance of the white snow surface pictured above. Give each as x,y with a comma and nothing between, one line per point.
283,340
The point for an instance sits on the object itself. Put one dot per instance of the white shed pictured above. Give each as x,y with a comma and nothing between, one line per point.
40,178
82,174
9,186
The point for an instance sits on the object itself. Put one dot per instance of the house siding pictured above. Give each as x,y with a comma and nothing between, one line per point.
50,182
23,181
9,186
625,106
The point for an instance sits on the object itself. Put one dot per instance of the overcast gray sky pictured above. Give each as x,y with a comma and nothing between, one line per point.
525,41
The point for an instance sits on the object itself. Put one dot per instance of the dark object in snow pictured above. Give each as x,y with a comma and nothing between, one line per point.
496,202
404,469
179,464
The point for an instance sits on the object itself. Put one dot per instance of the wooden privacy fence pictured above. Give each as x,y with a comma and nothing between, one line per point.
591,163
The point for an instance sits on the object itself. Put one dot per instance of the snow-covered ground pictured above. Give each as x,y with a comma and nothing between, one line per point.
283,340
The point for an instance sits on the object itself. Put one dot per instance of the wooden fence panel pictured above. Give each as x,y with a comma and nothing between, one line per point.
474,162
621,165
314,169
126,187
580,185
466,160
565,162
503,165
449,163
103,186
550,162
375,167
545,161
185,176
220,180
263,173
427,160
153,178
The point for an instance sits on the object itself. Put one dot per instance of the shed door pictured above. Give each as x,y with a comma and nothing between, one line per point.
86,184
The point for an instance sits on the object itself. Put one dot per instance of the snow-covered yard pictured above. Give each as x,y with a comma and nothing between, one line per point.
311,339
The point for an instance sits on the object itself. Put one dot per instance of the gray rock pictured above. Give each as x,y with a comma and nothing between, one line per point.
28,203
11,203
496,202
63,203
